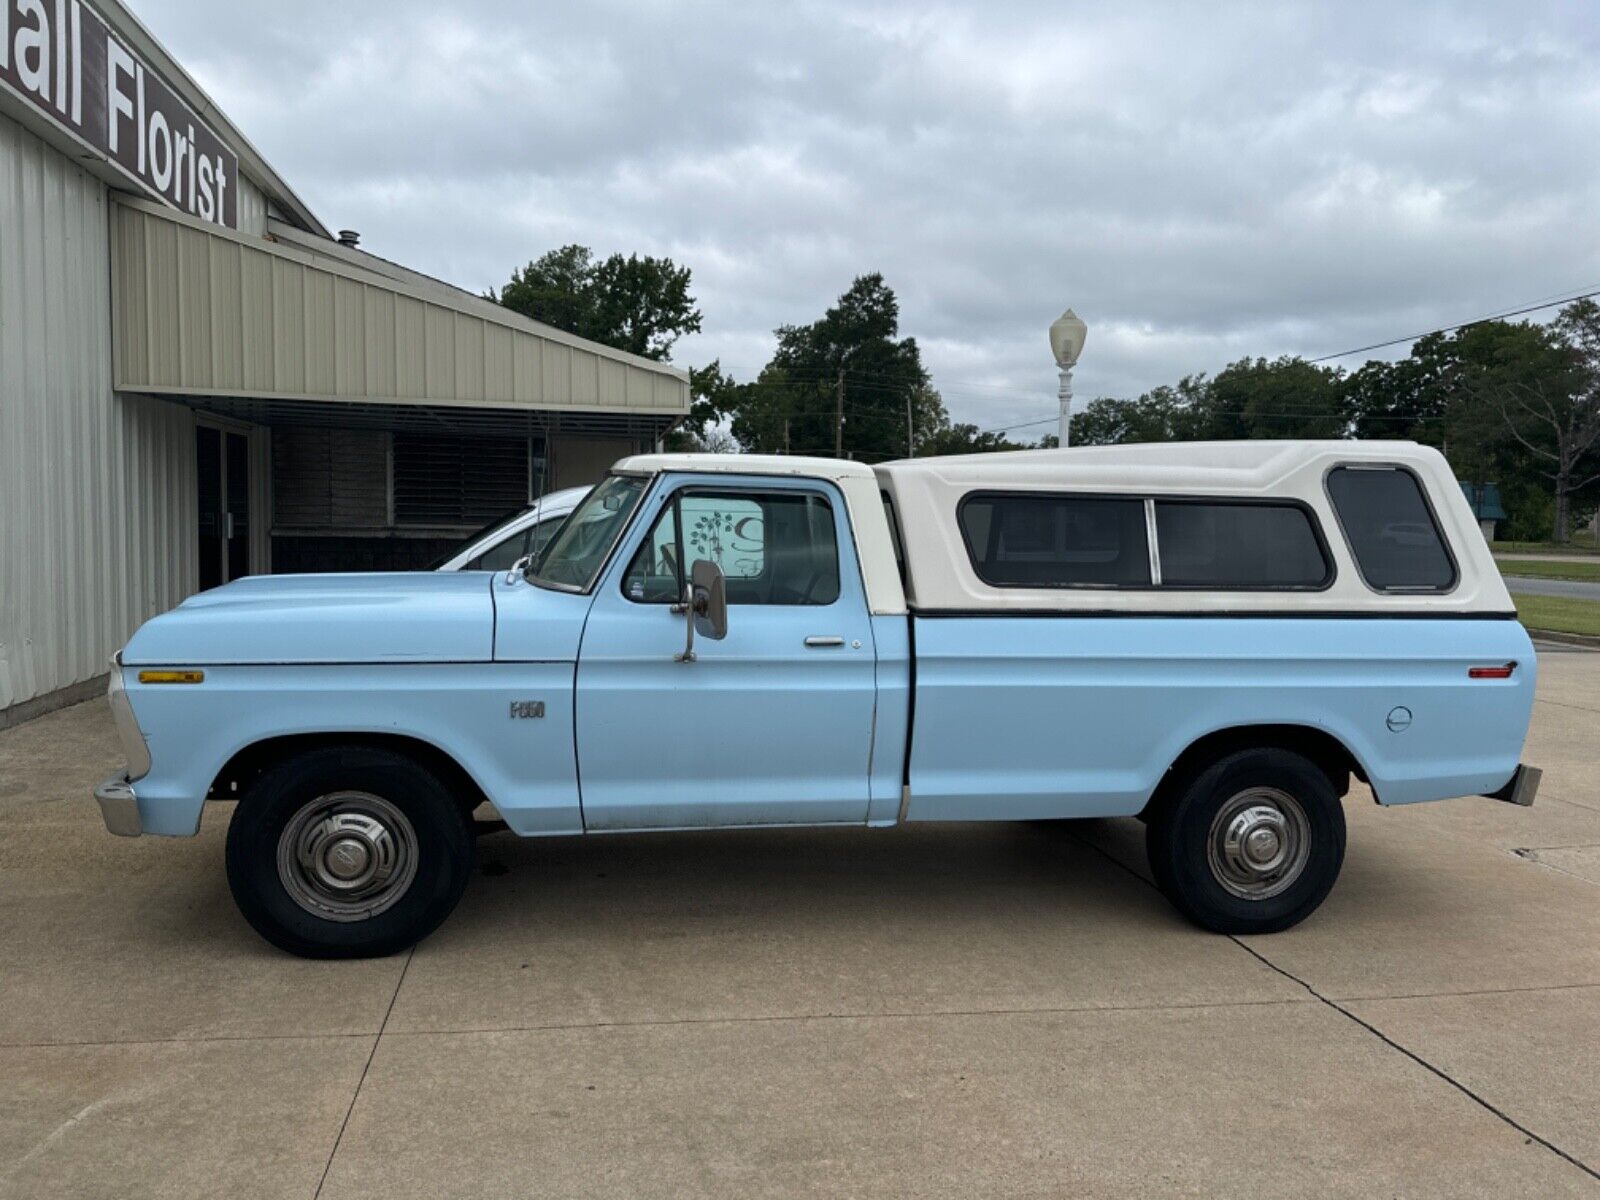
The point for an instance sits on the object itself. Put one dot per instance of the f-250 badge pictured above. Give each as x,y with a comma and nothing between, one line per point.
523,710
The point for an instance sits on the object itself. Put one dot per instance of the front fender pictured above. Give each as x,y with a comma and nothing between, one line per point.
524,764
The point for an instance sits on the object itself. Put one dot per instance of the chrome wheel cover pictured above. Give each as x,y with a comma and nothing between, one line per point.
347,856
1259,842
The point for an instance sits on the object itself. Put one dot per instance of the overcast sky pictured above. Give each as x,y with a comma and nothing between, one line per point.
1199,181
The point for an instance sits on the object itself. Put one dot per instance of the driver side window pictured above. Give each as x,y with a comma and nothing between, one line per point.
773,548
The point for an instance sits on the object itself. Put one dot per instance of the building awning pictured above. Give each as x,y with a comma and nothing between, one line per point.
272,331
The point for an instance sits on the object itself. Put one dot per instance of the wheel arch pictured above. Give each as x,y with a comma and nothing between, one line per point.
1325,750
250,761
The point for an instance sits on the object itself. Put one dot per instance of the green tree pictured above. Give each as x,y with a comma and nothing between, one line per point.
1542,382
1409,398
966,439
1284,398
713,394
639,304
847,380
1164,414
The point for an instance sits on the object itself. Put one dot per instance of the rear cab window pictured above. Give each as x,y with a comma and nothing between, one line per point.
1390,526
894,536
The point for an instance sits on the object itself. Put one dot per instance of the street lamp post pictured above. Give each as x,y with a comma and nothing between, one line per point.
1066,343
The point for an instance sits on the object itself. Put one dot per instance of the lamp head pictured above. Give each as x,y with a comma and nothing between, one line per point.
1066,338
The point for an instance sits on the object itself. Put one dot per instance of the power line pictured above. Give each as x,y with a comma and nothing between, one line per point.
1500,316
895,383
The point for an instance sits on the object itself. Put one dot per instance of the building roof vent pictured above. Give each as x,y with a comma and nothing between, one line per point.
349,237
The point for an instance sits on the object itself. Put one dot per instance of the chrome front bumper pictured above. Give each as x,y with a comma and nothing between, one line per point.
119,807
1521,787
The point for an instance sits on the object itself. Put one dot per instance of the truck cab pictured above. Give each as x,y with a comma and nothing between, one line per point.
1214,638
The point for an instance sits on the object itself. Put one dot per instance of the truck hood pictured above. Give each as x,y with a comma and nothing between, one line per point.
368,618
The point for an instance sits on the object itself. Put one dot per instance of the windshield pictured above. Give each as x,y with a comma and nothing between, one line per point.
574,556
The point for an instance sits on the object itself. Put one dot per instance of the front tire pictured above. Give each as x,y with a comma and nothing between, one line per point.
347,852
1253,844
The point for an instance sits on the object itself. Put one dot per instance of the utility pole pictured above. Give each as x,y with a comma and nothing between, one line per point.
786,435
911,440
838,418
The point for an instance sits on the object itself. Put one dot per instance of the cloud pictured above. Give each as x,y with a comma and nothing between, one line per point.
1199,182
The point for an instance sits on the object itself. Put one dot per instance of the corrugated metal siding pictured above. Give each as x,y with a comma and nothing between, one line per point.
96,492
252,208
202,311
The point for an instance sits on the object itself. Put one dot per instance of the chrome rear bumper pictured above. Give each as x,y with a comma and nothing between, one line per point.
1521,787
119,807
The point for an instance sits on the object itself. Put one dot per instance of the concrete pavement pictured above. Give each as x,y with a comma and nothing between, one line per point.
954,1011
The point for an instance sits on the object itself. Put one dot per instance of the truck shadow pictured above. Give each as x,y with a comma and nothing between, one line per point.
794,877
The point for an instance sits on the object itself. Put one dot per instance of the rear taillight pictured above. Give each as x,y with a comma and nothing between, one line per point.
1501,672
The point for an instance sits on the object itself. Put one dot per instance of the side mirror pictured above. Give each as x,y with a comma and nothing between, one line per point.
705,601
710,605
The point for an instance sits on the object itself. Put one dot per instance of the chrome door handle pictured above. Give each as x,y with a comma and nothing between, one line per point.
818,640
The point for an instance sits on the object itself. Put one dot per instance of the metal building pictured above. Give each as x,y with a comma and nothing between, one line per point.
198,381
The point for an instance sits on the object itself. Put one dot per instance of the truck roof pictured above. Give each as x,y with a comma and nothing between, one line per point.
1242,465
746,464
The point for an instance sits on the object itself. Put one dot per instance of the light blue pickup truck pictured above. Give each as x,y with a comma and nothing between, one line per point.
1216,638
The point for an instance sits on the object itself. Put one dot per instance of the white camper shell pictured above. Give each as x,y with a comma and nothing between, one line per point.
941,574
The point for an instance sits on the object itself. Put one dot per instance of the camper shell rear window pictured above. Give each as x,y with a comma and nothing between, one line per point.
1393,533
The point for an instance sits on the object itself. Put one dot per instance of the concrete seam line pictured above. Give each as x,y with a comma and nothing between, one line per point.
780,1018
1380,1035
559,1027
199,1040
1523,850
1564,704
1569,802
1472,993
356,1095
1423,1063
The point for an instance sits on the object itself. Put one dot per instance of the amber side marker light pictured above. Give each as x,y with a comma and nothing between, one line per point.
1500,672
172,676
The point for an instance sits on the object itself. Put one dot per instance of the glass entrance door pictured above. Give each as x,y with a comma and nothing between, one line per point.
222,475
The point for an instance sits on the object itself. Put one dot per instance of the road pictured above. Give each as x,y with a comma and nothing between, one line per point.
936,1011
1575,589
1523,556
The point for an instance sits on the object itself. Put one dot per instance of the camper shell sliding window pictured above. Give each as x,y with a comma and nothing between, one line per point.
1074,540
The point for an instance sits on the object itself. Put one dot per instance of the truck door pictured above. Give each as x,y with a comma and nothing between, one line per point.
770,725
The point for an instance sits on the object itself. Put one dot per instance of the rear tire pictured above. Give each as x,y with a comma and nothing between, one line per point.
1253,844
347,852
